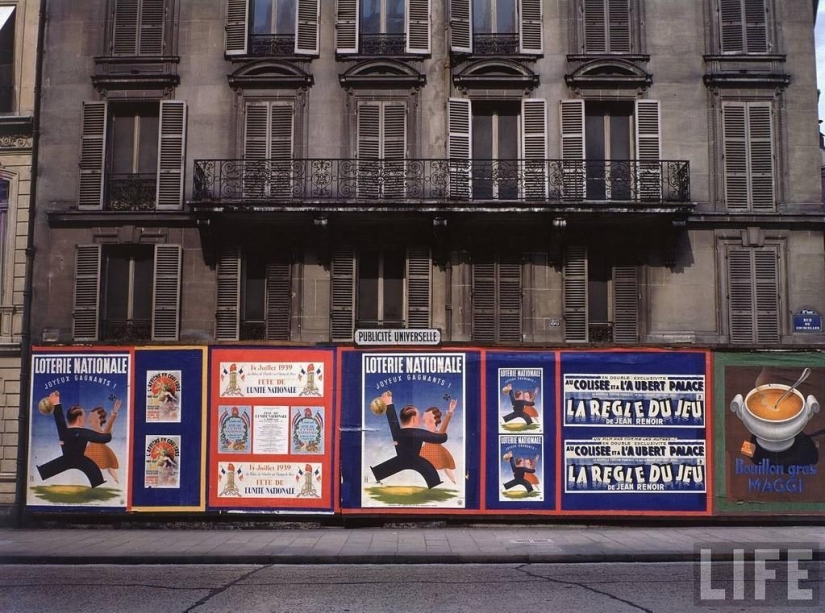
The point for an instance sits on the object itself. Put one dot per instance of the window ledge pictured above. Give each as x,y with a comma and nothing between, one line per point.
117,218
587,57
744,57
130,72
759,79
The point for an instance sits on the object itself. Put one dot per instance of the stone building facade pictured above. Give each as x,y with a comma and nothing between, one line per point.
18,52
512,172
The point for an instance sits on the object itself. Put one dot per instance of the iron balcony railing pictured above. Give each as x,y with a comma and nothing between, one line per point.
272,45
131,191
354,180
383,44
495,44
126,329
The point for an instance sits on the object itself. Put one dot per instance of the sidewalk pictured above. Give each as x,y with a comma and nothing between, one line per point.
479,545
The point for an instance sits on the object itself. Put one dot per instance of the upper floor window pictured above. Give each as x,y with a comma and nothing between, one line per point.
382,27
497,294
749,155
7,17
744,26
496,27
267,28
754,293
139,27
607,26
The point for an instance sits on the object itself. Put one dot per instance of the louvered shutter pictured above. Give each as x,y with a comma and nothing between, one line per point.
484,298
393,149
166,293
509,299
648,150
125,37
461,26
418,26
575,294
531,38
92,155
346,26
256,150
595,24
342,312
460,146
736,155
308,18
369,149
618,26
740,296
760,145
152,19
278,299
86,293
731,25
419,287
534,147
280,149
227,316
171,154
572,149
626,304
766,286
237,17
756,27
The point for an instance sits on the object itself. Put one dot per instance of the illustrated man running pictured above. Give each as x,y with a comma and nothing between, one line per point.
519,402
520,469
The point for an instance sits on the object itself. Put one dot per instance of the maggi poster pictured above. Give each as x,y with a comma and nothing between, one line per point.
270,436
769,433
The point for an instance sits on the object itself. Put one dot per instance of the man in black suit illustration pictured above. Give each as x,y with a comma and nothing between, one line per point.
519,470
73,440
519,402
408,437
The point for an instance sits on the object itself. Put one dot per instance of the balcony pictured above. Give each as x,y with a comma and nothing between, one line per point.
440,182
126,329
271,45
131,192
495,44
383,44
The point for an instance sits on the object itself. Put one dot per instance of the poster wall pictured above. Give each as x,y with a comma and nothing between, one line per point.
633,431
270,428
521,431
169,451
410,430
769,448
80,433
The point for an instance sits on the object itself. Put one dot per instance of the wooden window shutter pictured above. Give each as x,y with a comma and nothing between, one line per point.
572,148
152,20
342,312
459,146
730,13
92,155
393,147
534,147
418,26
171,154
649,150
86,293
509,299
575,294
736,155
227,316
278,298
625,304
237,18
484,298
461,26
347,18
419,287
531,38
760,145
369,149
125,31
281,138
756,26
740,295
595,26
307,30
766,286
618,26
166,294
256,150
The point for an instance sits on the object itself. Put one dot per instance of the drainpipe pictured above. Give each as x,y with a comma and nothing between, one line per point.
26,352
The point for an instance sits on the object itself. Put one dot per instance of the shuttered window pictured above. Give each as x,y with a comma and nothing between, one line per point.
607,26
648,150
342,303
753,294
459,146
171,155
227,315
744,26
139,27
86,319
497,297
272,27
749,156
92,155
495,22
572,149
385,21
166,293
268,149
534,147
381,149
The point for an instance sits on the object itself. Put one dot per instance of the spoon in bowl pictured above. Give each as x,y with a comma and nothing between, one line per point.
805,374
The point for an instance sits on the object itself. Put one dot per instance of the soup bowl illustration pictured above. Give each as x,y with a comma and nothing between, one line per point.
774,428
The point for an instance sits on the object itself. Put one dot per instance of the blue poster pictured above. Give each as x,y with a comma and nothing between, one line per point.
634,431
80,429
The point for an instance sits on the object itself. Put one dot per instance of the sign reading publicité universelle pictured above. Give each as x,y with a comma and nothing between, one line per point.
393,336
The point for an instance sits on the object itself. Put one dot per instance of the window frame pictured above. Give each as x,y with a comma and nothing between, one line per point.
129,254
490,297
636,35
770,26
11,85
166,39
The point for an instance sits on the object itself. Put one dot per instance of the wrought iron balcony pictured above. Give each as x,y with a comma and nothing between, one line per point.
246,182
131,192
126,329
271,45
383,44
495,44
600,332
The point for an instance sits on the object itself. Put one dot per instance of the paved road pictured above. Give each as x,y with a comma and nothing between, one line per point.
472,588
